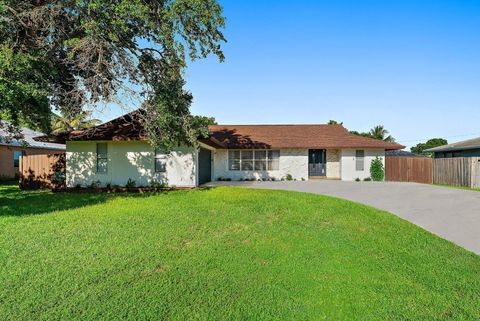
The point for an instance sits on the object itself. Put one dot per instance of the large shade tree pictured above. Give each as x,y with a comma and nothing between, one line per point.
72,54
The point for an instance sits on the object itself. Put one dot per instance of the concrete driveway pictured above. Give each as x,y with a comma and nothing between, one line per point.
453,214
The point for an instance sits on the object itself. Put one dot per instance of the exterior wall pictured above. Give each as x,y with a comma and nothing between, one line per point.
292,161
333,164
7,170
348,163
135,160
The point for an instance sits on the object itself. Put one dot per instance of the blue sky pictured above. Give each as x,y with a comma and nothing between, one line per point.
413,66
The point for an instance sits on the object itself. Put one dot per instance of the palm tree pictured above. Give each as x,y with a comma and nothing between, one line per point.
68,122
379,132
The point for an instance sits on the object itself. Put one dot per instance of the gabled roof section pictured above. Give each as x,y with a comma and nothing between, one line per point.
28,138
126,127
463,145
123,128
293,136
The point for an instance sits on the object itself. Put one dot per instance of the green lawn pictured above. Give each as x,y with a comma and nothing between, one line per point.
224,254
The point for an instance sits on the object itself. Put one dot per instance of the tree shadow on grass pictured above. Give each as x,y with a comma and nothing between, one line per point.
16,202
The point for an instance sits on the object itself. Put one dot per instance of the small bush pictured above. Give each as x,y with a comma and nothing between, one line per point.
358,179
130,184
156,184
95,184
377,171
303,179
289,177
367,179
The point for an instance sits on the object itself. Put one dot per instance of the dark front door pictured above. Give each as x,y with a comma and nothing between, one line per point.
317,162
204,166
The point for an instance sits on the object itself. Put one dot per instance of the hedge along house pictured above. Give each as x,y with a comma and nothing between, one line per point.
114,152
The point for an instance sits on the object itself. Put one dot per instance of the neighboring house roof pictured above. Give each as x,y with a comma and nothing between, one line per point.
463,145
29,136
129,127
293,136
402,153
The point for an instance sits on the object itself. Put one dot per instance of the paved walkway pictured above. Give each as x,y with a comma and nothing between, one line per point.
453,214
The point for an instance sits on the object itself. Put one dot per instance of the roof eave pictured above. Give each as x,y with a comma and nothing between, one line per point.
449,149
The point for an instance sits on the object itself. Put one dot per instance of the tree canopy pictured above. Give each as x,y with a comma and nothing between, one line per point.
431,143
378,132
70,54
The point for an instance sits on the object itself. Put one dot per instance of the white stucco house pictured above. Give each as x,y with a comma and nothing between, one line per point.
114,152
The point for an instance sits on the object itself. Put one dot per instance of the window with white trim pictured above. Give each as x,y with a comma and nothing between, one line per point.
16,158
253,160
160,161
273,160
260,160
102,158
234,160
247,160
360,160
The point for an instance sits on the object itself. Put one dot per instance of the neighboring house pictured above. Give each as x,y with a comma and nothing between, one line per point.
403,153
114,152
12,150
466,148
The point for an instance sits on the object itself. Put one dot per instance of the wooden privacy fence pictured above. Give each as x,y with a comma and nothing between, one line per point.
42,171
458,171
408,169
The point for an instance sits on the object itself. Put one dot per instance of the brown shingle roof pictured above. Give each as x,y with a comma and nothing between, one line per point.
293,136
129,127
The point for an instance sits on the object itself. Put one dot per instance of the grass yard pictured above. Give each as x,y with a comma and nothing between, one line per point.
224,254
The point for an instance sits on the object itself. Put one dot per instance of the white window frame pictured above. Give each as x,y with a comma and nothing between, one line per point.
20,154
102,159
162,156
359,158
267,160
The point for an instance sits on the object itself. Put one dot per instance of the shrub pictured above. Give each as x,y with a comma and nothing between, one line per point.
289,177
377,171
130,184
367,179
95,184
358,179
156,184
303,179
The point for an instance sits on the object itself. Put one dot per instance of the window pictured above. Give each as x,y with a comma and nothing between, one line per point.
102,158
234,160
273,160
249,160
16,158
160,161
260,160
360,160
